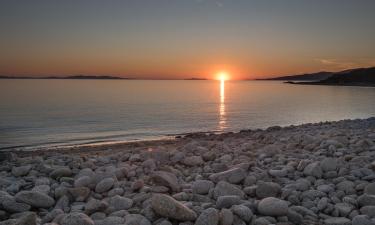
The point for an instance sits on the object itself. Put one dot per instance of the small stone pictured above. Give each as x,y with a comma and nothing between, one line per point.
80,194
366,199
226,217
313,169
119,203
267,189
166,206
337,221
224,188
21,170
83,181
138,184
104,185
136,219
370,189
368,210
328,164
362,220
227,201
94,205
344,209
45,189
273,207
209,216
10,205
61,172
193,161
243,212
232,176
76,219
278,173
202,187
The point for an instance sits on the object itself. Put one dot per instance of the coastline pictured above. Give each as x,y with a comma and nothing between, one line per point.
314,173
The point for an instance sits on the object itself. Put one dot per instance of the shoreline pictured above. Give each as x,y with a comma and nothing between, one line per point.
109,145
314,173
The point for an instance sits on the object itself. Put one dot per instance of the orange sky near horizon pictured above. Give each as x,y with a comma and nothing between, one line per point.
164,39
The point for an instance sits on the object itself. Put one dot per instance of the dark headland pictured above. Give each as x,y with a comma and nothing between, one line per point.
352,77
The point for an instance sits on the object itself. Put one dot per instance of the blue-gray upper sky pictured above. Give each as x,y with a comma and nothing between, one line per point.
185,38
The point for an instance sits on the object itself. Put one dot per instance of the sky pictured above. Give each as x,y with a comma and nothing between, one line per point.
177,39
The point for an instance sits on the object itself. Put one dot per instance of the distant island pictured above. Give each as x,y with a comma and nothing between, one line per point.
77,77
193,78
351,77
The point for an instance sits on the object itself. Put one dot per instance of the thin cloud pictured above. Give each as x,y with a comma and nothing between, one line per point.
343,65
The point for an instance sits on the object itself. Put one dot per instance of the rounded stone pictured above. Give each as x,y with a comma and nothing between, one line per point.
202,187
273,207
76,219
104,185
209,216
166,206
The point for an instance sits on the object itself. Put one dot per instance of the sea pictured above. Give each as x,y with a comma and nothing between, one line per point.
45,113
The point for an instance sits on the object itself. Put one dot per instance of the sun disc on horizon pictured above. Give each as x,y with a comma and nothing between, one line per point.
222,76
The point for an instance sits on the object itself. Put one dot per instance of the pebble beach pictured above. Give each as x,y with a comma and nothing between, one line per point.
322,173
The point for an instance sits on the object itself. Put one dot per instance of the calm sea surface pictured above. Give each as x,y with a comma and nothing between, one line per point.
35,113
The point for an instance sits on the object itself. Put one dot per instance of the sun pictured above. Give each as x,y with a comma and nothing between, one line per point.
222,76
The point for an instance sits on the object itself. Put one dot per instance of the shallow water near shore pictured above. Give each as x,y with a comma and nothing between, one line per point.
38,113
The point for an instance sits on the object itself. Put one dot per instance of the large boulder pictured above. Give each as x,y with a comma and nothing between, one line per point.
166,179
35,199
167,206
273,207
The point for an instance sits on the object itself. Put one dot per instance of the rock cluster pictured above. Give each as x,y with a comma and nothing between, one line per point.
309,174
